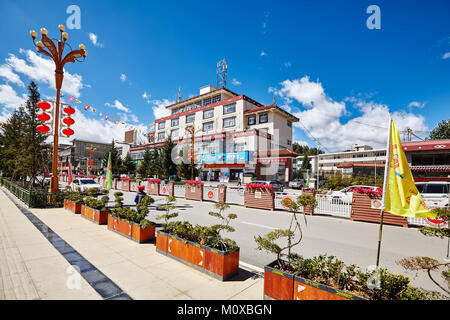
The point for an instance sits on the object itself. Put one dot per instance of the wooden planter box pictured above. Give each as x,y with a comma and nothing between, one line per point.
362,211
125,185
193,192
72,206
97,216
260,198
218,264
280,285
131,230
153,188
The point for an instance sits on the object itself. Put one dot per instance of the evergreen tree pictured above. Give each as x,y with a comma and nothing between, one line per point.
155,163
116,161
306,165
183,169
168,167
144,167
128,166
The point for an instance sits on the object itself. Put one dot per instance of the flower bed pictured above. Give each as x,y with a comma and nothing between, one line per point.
259,196
193,190
153,186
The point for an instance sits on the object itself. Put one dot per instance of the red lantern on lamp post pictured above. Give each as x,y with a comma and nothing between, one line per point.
55,52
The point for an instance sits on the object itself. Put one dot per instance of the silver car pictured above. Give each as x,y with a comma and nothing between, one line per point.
434,193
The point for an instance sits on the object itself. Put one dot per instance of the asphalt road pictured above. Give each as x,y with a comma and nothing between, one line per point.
350,241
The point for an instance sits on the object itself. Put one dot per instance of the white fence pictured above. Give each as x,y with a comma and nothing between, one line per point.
211,194
235,196
164,189
179,191
332,207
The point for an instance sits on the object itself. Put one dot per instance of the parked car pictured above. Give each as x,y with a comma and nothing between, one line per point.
297,183
84,184
434,193
346,195
278,185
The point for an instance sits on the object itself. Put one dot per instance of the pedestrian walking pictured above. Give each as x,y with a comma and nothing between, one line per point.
139,196
239,181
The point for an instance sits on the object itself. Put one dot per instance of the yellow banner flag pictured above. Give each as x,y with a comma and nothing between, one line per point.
401,196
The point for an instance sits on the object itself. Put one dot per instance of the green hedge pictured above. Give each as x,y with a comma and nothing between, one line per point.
35,198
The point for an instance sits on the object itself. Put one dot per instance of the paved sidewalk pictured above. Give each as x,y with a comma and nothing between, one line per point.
30,267
137,269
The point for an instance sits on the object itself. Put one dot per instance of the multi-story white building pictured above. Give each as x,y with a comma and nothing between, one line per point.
229,129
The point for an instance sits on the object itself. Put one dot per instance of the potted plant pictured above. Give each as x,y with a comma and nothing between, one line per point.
95,209
257,195
201,247
193,190
73,201
132,223
293,277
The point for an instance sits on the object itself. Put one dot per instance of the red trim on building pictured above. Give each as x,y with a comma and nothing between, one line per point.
431,169
219,165
269,107
364,165
426,145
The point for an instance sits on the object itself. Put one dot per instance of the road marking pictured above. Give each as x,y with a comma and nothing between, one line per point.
258,225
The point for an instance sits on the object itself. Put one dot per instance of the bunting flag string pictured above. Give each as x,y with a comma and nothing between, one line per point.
106,117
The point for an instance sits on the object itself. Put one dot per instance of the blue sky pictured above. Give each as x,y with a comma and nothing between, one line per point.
319,58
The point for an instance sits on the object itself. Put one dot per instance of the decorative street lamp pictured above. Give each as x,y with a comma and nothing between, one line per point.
55,51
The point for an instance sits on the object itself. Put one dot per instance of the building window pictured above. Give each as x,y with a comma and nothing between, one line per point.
190,118
229,108
208,114
208,126
162,125
207,101
289,123
216,99
229,122
174,122
263,118
161,136
289,142
251,120
174,133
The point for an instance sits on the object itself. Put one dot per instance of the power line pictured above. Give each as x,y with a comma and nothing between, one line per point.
309,133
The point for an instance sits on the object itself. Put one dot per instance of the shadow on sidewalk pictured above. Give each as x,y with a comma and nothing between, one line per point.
243,275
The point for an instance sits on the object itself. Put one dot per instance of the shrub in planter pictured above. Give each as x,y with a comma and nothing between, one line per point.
131,223
73,202
199,246
118,199
96,210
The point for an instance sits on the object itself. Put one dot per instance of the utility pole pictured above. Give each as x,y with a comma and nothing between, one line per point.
91,150
191,130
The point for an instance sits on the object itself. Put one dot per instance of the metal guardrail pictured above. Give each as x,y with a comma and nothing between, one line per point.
35,198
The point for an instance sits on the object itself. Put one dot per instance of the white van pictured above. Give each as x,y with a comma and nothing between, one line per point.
434,193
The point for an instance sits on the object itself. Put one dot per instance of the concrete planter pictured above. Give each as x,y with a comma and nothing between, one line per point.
218,264
260,198
280,285
362,211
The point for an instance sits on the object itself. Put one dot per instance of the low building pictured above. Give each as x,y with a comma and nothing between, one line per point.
78,155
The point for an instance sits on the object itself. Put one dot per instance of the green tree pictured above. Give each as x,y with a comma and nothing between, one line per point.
183,169
116,161
128,166
155,163
168,167
306,165
442,131
145,166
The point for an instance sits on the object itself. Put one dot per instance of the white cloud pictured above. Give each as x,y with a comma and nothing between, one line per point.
10,76
446,55
128,118
117,105
9,98
43,70
263,54
159,110
235,82
287,64
94,39
123,77
416,104
322,117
